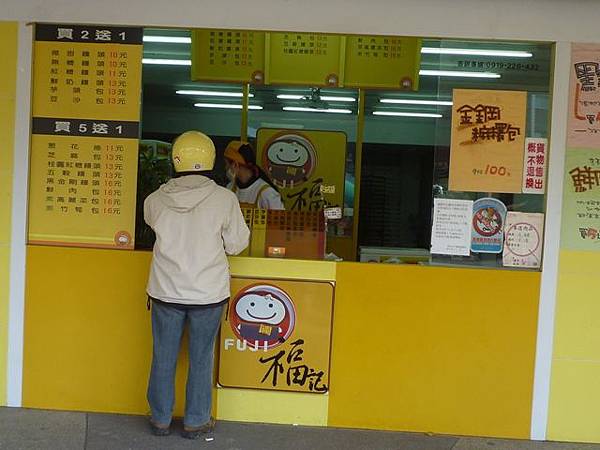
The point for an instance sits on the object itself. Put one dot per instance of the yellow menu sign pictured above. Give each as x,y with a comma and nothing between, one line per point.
85,127
389,62
488,141
304,58
228,55
307,166
277,336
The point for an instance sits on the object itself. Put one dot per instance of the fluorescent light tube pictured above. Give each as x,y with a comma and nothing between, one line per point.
225,106
326,98
168,39
406,114
402,101
290,97
319,110
330,98
475,52
456,73
167,62
212,93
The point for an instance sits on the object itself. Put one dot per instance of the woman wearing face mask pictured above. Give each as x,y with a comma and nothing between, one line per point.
249,182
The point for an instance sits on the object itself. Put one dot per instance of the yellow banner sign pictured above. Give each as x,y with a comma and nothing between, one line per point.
307,166
389,62
85,127
228,55
488,139
304,59
277,335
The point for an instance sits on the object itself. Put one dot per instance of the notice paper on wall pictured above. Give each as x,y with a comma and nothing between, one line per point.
451,232
523,240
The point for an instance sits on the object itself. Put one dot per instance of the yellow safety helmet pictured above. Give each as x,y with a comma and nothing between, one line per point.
232,152
193,151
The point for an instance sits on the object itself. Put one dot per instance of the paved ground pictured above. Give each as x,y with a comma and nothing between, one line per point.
34,429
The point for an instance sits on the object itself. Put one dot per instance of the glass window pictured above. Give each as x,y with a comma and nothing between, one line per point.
391,148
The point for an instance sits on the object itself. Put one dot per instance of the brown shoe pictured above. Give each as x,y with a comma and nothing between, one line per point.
196,432
159,429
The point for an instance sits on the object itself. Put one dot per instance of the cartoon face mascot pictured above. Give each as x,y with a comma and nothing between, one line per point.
290,159
263,316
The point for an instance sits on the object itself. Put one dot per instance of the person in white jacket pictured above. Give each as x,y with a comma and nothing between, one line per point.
197,224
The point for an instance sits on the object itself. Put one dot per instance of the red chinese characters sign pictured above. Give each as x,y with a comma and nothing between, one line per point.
488,128
535,163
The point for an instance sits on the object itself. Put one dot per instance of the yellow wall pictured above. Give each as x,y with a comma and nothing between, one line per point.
414,348
575,383
8,56
434,349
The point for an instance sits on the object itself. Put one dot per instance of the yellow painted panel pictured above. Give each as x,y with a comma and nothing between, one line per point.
87,330
433,349
4,280
574,401
248,405
5,204
577,323
8,78
291,269
579,262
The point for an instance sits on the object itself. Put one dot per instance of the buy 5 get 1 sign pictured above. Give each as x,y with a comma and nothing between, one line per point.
276,335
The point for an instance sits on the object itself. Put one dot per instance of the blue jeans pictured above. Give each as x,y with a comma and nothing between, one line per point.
168,323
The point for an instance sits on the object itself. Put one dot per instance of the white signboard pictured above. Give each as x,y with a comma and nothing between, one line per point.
451,232
523,237
534,165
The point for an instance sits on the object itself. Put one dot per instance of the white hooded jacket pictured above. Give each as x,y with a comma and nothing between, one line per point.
197,224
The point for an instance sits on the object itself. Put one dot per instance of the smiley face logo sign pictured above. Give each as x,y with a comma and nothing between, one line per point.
263,315
290,159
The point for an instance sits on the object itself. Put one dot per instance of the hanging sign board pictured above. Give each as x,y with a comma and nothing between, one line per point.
386,62
488,138
304,59
307,166
584,97
451,232
534,165
581,201
276,335
86,109
523,237
487,232
228,55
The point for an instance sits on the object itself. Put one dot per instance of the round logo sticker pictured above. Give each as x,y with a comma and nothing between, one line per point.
122,238
290,159
263,315
487,221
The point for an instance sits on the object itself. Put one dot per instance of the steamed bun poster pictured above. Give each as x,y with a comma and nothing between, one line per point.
307,166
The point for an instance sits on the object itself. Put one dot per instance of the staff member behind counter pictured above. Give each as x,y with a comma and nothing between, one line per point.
249,182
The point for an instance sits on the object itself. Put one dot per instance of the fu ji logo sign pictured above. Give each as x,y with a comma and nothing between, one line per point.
263,316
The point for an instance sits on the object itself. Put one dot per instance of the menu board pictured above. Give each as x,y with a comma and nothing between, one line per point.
388,62
488,140
85,127
228,55
304,58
